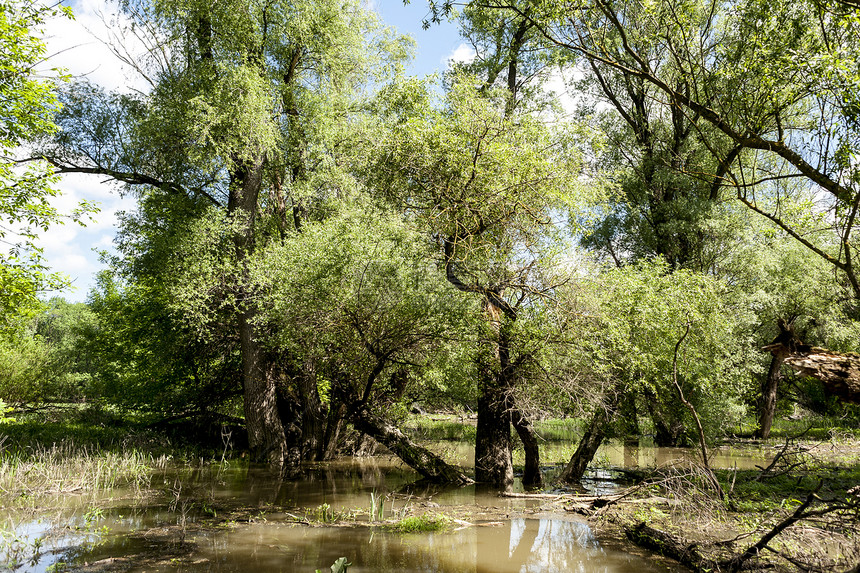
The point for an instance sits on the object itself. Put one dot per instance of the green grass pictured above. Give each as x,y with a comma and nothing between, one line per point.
440,428
75,450
811,426
427,522
28,475
446,427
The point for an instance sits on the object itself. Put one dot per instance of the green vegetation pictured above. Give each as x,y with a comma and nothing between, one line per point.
320,243
423,523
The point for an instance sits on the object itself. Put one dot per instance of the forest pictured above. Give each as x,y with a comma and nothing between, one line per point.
330,258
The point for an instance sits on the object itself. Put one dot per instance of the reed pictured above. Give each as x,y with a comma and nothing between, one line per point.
38,472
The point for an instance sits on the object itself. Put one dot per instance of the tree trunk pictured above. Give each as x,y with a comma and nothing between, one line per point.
333,427
266,437
767,402
668,425
628,418
266,431
588,445
425,462
312,415
525,430
493,464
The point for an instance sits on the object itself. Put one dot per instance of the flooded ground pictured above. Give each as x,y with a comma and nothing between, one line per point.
227,517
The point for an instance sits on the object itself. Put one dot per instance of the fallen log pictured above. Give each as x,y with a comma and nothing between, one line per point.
665,544
429,465
839,373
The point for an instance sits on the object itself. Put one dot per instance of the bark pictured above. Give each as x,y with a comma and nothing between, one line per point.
425,462
266,431
588,445
667,545
333,427
312,415
493,464
628,419
531,472
767,403
266,437
668,425
839,373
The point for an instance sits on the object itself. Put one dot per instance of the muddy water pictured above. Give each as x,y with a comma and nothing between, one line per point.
225,517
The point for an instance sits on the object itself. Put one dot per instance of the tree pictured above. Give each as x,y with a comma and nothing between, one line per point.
248,104
28,104
482,181
774,81
356,298
629,330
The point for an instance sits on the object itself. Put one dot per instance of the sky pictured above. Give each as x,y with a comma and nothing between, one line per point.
77,46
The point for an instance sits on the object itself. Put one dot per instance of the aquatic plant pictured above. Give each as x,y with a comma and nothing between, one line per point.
64,468
339,566
426,522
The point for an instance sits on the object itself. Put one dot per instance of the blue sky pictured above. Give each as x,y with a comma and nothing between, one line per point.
433,46
71,249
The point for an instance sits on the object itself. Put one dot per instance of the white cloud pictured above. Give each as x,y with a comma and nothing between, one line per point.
71,248
462,54
80,46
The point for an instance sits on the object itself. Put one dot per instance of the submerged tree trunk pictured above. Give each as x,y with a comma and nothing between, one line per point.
312,415
333,427
531,471
590,442
668,424
425,462
266,437
767,402
493,463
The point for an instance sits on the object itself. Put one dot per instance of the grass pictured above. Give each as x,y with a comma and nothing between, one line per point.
448,427
59,452
440,427
27,475
424,523
811,426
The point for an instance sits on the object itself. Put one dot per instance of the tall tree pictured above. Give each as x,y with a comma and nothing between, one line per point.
245,98
483,182
776,83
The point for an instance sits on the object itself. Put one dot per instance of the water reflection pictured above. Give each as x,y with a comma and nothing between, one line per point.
516,546
274,543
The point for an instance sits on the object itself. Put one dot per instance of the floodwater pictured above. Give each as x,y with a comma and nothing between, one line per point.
227,517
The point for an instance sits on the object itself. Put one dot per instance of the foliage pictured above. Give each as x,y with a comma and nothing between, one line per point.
147,359
357,296
28,104
760,76
25,371
640,313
